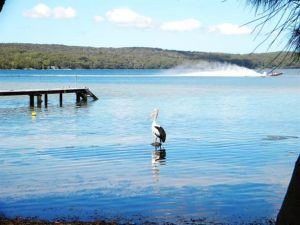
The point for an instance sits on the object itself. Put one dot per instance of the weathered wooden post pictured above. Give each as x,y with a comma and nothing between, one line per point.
31,100
39,100
289,213
84,97
46,100
60,99
77,97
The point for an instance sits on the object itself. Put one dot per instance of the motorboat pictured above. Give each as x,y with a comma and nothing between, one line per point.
274,74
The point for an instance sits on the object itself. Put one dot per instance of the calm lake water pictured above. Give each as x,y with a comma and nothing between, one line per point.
231,146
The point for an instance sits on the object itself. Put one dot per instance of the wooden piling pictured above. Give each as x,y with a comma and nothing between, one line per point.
31,100
84,97
60,99
46,100
77,97
39,100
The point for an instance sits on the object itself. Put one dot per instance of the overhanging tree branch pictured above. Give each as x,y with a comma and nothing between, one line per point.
287,14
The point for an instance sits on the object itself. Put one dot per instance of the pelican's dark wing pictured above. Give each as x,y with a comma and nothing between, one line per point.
162,134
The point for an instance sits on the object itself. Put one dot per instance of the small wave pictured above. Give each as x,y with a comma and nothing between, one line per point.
278,137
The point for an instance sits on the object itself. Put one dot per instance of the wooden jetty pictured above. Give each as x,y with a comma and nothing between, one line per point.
82,94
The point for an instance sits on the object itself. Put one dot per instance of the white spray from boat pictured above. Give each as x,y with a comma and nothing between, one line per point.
214,69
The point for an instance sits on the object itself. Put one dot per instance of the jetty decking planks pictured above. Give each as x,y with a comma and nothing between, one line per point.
81,94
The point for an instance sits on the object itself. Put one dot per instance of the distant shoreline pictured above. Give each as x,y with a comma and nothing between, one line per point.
42,56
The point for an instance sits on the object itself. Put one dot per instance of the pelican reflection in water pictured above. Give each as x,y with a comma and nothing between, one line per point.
158,159
159,156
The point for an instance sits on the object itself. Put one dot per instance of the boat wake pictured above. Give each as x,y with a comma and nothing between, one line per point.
218,70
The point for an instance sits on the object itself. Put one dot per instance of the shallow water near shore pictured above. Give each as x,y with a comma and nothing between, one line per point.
231,146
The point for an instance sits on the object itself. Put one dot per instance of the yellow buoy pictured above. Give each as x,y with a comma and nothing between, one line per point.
33,113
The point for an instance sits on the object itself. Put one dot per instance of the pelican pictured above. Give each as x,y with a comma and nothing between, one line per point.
157,131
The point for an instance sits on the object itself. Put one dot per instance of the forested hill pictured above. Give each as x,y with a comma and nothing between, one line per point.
37,56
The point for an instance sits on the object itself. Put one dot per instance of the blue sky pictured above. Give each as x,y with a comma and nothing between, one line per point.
193,25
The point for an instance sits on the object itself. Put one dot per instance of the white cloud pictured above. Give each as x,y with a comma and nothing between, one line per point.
64,13
229,29
180,26
43,11
38,11
128,17
98,19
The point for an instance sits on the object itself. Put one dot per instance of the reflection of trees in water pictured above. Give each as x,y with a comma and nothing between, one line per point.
158,159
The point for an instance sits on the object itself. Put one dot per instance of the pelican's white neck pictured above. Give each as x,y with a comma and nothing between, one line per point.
154,121
154,116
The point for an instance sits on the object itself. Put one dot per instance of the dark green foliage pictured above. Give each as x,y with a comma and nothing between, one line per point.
1,4
36,56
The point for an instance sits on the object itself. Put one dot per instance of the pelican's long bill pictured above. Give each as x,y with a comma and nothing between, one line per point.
154,114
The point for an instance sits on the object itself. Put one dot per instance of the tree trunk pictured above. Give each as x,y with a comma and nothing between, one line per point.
289,213
1,4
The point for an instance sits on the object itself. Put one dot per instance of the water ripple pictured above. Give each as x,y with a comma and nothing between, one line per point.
230,150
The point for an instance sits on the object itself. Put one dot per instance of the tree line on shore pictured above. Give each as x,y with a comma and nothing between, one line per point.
42,56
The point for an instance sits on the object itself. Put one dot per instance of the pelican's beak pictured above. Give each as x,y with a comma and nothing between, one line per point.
152,115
